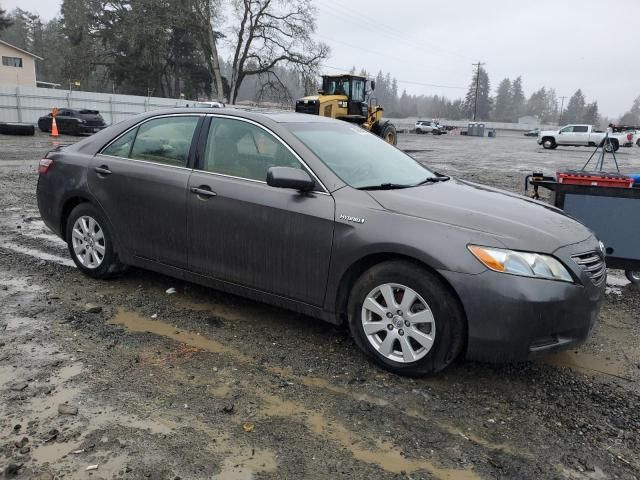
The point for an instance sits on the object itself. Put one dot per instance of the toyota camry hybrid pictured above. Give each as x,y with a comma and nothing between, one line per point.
324,218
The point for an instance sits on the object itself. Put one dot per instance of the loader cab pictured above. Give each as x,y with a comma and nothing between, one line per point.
351,86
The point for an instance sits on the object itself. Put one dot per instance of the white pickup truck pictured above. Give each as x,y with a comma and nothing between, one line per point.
580,136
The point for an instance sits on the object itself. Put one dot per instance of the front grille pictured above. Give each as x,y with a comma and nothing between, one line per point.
593,264
309,106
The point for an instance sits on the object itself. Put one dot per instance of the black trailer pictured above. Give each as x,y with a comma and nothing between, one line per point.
613,213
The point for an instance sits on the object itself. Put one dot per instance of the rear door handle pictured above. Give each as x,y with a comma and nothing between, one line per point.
103,170
203,191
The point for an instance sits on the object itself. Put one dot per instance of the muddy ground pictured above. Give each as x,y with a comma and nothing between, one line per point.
118,379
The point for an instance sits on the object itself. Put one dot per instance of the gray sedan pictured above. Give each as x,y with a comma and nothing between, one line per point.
321,217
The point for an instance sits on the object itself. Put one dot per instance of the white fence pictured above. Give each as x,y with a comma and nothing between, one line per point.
27,104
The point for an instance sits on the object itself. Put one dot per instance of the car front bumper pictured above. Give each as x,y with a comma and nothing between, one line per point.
513,318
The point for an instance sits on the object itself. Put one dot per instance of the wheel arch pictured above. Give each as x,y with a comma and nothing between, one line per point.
357,268
72,201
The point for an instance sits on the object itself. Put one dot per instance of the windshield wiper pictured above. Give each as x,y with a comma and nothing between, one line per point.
439,178
385,186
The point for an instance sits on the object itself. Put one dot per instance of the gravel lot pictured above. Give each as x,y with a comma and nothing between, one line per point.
201,385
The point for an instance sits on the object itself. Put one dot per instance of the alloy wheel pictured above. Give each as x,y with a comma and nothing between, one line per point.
398,323
89,245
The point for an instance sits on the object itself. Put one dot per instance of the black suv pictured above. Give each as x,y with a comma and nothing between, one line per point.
74,122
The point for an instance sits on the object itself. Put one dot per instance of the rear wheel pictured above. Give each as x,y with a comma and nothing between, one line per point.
405,319
610,146
633,276
90,242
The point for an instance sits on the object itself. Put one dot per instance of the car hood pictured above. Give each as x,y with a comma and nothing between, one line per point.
547,132
516,221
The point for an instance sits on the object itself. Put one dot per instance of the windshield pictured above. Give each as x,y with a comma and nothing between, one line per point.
358,157
336,86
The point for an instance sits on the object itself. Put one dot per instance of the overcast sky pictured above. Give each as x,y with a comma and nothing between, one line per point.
565,44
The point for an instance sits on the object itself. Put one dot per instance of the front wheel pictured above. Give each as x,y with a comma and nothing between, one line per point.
388,133
549,143
90,242
633,276
405,319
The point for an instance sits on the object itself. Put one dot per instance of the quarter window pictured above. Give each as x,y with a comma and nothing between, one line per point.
165,140
122,146
12,61
241,149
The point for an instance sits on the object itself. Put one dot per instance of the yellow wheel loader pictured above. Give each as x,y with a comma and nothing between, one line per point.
345,97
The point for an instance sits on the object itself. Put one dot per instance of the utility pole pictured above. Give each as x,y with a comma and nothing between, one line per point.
561,111
475,106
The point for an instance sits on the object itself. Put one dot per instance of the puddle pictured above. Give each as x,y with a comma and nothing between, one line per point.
52,452
220,391
586,362
32,252
135,322
244,465
68,372
385,454
238,313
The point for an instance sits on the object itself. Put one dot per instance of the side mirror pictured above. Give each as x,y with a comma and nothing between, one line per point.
287,177
373,85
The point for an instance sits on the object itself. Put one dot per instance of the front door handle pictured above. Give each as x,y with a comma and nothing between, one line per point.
103,170
203,191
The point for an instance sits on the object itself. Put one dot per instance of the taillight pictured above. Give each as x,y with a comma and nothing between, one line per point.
630,137
44,165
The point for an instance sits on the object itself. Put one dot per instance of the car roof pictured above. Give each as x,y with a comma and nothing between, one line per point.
278,116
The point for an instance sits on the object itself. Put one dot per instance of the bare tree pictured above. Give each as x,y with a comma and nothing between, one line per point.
273,33
207,14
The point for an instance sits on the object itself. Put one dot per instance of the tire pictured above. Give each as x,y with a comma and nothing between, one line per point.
633,276
443,319
388,133
612,146
638,142
103,262
25,129
419,131
549,143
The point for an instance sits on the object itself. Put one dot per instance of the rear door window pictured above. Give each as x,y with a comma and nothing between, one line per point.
580,129
165,140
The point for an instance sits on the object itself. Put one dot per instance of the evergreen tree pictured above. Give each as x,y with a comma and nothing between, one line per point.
518,100
591,115
5,21
632,117
480,84
575,108
504,102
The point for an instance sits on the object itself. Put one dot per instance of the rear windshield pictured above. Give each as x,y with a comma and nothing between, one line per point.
358,157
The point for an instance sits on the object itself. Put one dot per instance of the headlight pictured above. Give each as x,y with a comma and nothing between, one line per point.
521,263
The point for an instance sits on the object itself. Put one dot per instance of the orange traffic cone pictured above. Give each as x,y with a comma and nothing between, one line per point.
54,127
